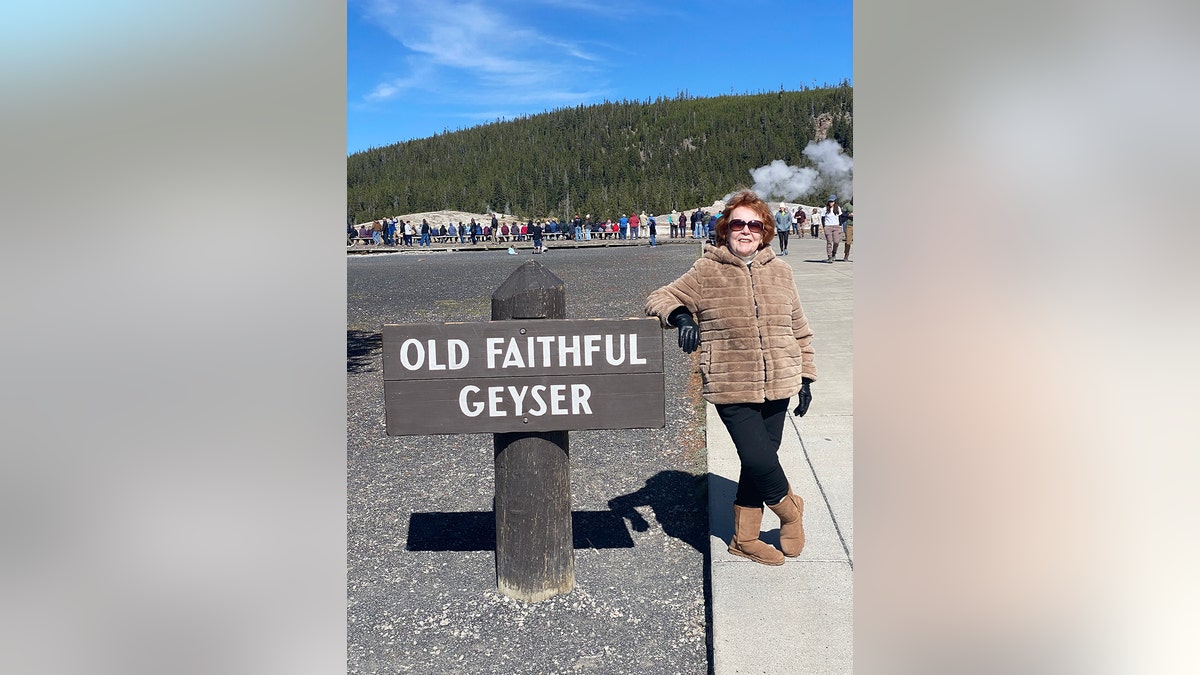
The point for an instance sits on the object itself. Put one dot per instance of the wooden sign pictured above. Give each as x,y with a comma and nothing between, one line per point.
523,375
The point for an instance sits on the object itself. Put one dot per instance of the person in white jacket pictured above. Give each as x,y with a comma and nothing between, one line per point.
831,220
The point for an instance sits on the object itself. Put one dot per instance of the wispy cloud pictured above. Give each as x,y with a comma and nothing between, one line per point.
391,88
575,51
609,8
473,47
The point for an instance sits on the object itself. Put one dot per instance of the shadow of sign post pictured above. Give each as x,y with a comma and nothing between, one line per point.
529,376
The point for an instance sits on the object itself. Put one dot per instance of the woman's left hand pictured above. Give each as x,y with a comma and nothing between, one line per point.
805,399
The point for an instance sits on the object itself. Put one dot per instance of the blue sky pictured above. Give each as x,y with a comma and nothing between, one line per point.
416,68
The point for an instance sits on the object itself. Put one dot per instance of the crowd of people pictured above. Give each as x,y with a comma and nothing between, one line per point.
699,224
835,224
398,232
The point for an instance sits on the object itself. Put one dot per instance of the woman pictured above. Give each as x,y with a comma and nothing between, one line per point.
755,354
831,220
783,227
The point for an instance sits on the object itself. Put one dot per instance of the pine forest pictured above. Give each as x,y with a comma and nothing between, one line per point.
604,159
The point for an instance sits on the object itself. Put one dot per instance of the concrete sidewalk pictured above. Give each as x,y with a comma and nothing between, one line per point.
798,617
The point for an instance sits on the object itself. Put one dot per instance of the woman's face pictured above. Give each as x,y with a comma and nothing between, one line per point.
743,242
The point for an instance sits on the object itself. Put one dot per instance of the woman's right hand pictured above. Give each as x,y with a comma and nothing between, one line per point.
689,332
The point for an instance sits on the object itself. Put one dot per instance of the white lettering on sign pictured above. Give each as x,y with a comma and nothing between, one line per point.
493,348
476,407
494,402
460,353
570,350
512,357
405,360
518,397
633,357
590,346
541,402
413,353
608,351
557,396
580,393
563,350
502,399
546,341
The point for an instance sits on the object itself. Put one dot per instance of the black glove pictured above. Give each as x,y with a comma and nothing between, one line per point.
805,398
689,332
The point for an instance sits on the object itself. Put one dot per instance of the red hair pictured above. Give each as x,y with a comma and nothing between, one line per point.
747,198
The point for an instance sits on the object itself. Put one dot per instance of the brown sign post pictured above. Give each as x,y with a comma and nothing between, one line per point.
528,376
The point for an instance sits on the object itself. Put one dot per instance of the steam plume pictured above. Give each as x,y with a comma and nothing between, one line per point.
832,170
780,181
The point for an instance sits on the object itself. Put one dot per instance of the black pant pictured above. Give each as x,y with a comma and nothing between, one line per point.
783,237
756,430
815,227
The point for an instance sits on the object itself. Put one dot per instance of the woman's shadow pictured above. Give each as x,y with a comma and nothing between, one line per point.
680,504
679,501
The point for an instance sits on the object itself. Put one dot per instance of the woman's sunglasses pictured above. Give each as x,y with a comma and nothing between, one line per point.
752,225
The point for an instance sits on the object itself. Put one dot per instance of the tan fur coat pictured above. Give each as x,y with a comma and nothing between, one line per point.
755,342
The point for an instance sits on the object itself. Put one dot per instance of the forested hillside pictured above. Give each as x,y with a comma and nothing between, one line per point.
601,159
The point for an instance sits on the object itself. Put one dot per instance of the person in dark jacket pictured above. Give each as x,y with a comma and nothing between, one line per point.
535,233
847,230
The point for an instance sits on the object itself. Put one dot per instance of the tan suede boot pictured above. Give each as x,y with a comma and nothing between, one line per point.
747,523
791,523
